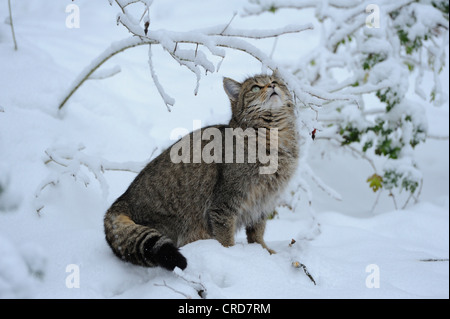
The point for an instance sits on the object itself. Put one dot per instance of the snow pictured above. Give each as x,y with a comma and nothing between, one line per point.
110,127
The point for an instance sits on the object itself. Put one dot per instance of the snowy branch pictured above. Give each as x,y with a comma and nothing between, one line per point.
86,73
169,101
213,39
103,74
70,161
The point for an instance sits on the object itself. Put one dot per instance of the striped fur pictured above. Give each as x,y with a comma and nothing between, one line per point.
140,245
169,205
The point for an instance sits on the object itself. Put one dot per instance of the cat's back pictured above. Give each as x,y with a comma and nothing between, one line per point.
176,180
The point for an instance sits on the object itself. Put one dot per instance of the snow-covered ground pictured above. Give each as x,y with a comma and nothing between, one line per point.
60,252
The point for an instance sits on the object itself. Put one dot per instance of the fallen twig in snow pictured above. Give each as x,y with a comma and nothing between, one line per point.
197,285
173,289
297,264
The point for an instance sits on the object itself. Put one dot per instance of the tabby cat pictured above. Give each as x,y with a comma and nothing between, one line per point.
172,203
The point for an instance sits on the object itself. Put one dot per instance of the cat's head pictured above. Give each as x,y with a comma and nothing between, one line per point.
261,92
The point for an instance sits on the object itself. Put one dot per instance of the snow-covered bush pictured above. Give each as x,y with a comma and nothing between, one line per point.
373,52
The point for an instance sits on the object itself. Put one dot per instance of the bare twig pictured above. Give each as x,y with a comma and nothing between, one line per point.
393,199
275,42
434,260
12,25
376,202
352,149
51,159
53,183
229,23
416,198
411,195
438,137
38,211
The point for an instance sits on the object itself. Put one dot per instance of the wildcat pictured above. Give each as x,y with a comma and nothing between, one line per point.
169,204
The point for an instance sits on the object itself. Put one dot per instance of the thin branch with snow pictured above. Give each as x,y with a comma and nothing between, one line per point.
104,74
168,100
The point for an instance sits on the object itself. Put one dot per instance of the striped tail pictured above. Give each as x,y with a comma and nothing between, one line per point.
139,244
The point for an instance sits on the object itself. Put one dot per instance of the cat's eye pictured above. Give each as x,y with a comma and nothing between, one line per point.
256,89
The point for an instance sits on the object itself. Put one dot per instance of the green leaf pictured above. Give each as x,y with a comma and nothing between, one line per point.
409,65
375,182
350,135
273,9
433,96
367,145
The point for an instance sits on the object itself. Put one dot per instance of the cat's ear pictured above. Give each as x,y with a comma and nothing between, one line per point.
276,74
232,88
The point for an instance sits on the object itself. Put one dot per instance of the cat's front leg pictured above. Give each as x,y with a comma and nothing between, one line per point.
255,234
222,226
